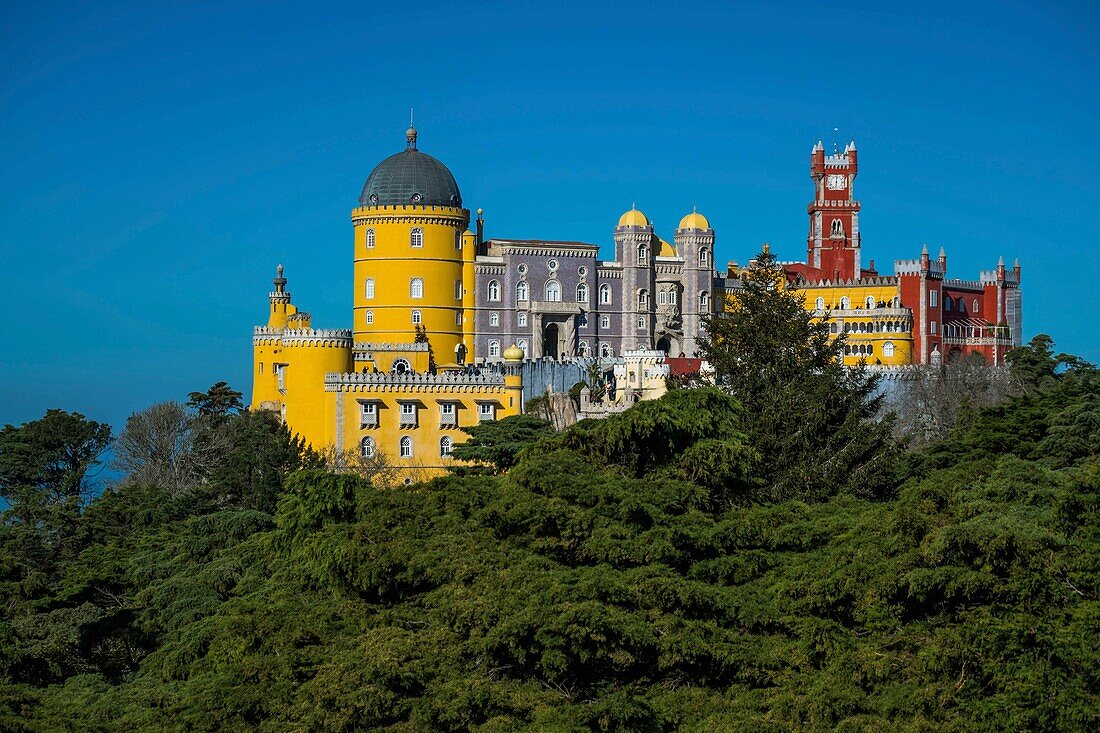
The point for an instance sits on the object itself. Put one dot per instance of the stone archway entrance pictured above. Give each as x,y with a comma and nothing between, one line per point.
551,341
668,344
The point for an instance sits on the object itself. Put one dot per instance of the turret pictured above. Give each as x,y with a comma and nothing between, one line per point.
925,262
513,375
279,298
853,161
1016,269
1000,269
817,160
942,259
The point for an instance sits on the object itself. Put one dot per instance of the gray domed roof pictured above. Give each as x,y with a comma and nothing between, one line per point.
410,177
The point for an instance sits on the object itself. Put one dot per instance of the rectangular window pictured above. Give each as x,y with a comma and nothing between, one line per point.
933,297
368,288
368,415
458,318
458,290
408,414
933,326
486,411
448,414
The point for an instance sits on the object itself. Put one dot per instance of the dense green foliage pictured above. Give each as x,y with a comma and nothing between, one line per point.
625,575
816,425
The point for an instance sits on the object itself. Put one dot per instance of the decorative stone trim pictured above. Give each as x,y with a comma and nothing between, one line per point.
413,382
385,346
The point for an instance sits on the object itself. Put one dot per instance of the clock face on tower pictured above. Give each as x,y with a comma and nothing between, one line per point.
837,182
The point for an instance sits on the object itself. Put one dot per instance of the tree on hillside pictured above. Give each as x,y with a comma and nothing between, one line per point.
219,401
935,398
45,463
812,419
494,446
157,447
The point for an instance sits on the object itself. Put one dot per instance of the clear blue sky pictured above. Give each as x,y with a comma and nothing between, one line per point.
159,161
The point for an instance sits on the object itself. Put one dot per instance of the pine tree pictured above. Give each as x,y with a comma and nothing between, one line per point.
814,421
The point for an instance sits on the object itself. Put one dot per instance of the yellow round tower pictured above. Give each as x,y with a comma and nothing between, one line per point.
409,254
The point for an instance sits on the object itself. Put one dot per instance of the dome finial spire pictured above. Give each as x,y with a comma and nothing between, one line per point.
410,134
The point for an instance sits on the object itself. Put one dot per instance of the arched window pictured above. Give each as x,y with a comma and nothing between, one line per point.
643,254
445,446
494,349
370,239
553,291
416,237
641,321
370,317
704,256
869,302
416,287
605,321
417,317
605,351
947,302
582,293
975,305
400,366
845,304
605,294
366,447
643,298
837,228
493,292
522,344
582,349
521,319
870,349
704,302
888,348
368,288
494,319
406,446
819,304
521,290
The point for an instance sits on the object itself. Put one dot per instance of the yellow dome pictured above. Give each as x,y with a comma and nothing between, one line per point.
667,250
633,218
694,220
513,353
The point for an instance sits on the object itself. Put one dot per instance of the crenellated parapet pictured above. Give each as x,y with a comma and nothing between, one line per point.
327,337
413,382
915,267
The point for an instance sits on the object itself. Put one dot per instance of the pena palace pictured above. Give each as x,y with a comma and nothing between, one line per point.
451,327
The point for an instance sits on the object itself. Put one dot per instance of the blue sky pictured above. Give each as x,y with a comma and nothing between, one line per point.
158,161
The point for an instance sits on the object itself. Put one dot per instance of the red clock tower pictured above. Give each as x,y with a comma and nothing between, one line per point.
833,244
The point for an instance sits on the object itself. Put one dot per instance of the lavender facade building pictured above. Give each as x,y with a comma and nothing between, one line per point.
559,300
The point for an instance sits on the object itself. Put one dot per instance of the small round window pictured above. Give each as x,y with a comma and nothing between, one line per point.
374,198
416,198
582,270
552,264
522,269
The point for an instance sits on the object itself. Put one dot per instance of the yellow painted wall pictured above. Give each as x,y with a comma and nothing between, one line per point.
393,262
859,313
426,436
